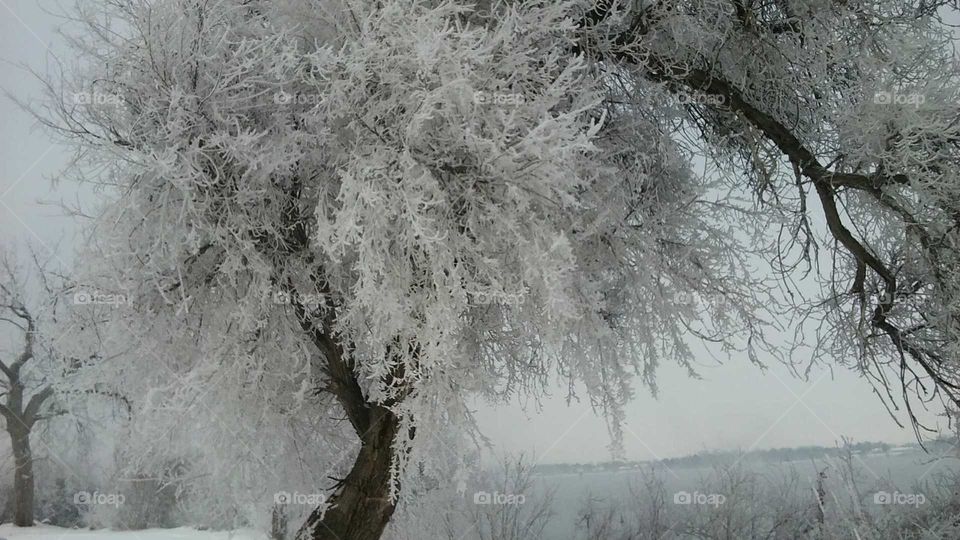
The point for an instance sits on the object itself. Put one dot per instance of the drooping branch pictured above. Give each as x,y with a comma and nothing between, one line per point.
682,77
28,348
341,380
16,308
31,411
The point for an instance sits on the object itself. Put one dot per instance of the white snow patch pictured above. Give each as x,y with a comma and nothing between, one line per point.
46,532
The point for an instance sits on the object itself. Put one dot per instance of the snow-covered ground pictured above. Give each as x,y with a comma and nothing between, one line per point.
43,532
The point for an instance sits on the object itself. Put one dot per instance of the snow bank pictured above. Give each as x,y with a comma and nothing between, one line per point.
44,532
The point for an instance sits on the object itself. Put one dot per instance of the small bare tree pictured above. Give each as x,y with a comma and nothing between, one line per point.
19,411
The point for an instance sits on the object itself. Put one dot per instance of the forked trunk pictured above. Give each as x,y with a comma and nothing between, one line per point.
22,479
360,508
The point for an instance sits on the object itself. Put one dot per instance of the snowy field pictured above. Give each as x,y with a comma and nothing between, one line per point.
9,532
905,472
894,471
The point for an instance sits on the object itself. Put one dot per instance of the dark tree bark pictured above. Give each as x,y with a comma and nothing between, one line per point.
278,522
19,417
19,422
23,478
361,506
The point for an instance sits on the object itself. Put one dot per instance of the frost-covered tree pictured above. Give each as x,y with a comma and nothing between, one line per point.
851,108
28,370
387,207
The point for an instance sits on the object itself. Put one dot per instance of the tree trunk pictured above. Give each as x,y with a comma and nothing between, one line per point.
361,506
23,478
278,522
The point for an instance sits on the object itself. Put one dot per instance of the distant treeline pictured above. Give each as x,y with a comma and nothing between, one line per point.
719,457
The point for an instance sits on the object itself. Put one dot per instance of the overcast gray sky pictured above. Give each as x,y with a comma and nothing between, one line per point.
734,406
